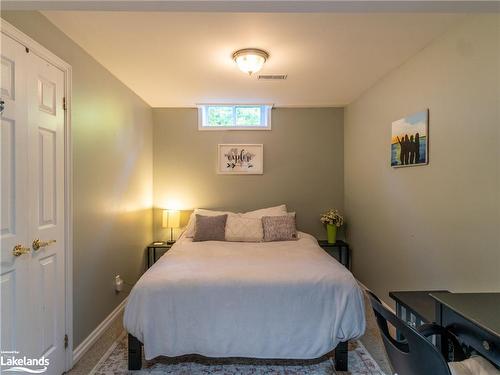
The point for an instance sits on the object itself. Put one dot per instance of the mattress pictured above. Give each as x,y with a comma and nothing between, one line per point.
285,299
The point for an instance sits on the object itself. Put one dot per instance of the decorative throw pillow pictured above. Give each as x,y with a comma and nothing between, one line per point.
210,228
191,225
279,228
243,229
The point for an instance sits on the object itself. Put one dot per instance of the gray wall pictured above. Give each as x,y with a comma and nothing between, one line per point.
112,176
303,165
434,226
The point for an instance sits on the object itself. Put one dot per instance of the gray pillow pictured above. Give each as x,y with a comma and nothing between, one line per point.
210,228
279,228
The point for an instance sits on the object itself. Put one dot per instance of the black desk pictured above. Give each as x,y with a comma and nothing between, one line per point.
415,307
474,318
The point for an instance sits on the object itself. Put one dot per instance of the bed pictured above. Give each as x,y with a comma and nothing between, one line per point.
276,300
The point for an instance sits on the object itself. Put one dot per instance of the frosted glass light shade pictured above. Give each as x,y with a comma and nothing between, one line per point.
250,60
171,219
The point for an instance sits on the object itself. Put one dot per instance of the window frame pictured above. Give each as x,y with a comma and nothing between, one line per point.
265,116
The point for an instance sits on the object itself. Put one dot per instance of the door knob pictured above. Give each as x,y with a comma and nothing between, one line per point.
37,244
20,250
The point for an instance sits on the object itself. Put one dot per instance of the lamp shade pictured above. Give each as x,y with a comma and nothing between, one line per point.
171,219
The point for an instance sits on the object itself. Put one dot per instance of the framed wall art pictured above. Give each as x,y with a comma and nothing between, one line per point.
240,159
410,140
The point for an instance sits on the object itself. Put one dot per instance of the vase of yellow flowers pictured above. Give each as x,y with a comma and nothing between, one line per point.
333,220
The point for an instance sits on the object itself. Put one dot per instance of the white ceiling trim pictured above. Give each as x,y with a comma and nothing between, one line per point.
267,6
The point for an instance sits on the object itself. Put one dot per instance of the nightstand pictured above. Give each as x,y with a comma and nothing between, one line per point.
163,247
338,250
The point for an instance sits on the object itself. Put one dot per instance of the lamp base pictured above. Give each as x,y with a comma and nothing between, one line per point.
171,240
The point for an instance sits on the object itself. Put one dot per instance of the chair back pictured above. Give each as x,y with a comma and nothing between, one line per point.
414,355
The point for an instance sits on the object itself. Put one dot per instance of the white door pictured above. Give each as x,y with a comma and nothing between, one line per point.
14,271
33,279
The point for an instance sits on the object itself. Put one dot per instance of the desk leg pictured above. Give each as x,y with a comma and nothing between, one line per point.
399,314
441,342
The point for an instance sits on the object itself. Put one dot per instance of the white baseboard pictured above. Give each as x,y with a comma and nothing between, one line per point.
97,333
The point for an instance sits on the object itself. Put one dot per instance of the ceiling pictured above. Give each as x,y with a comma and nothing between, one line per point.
181,59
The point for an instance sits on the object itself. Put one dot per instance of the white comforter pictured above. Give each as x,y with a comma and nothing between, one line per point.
230,299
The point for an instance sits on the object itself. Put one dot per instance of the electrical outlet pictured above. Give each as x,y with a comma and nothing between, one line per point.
118,283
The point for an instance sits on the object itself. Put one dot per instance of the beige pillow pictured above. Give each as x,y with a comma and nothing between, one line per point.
243,229
270,211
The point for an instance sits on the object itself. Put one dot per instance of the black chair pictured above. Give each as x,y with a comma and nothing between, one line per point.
415,354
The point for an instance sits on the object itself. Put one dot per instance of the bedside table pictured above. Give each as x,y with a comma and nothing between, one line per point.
338,250
162,246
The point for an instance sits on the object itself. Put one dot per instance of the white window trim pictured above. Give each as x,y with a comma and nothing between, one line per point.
266,116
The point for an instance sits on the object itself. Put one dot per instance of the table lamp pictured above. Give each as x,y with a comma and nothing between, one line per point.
171,219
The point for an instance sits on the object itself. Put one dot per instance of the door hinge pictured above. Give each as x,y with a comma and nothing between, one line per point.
65,341
64,103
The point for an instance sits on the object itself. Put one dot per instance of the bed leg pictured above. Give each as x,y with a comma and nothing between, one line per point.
341,356
134,353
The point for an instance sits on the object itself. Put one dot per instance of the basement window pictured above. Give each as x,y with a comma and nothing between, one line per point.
234,117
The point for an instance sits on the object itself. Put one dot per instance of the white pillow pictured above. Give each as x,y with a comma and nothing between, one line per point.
271,211
190,227
244,229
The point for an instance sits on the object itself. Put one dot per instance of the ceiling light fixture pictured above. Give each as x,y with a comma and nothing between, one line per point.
250,60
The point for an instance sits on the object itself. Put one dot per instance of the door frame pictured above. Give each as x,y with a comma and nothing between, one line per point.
36,48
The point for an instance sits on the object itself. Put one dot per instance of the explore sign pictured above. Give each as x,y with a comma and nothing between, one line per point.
240,159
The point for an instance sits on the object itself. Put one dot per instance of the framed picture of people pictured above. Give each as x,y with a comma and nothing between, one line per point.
410,140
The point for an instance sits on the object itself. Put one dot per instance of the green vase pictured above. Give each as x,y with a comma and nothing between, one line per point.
331,232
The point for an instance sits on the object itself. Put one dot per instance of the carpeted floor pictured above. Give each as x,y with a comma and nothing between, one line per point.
360,363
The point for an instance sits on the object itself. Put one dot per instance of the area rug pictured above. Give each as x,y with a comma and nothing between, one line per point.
114,362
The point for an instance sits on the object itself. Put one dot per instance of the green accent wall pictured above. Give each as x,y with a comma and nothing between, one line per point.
303,165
